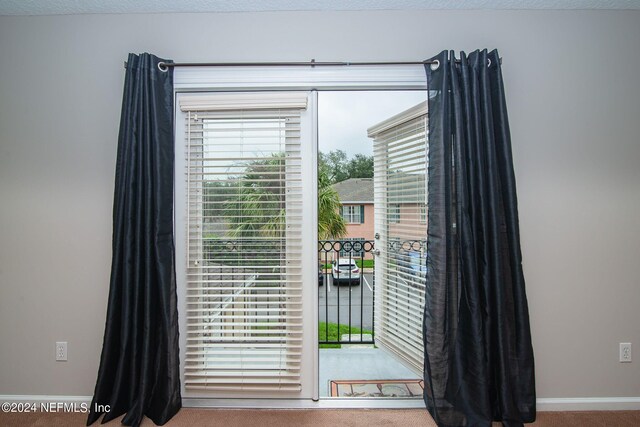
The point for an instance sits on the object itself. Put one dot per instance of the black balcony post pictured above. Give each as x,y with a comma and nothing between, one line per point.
349,283
337,285
362,293
373,304
325,280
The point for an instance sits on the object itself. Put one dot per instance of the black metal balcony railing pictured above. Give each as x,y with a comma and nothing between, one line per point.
346,279
346,285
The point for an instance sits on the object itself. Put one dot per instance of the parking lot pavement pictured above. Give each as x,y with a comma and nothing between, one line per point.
346,304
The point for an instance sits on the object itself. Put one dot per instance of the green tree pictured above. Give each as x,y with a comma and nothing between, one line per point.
334,163
331,225
254,205
256,208
360,166
338,167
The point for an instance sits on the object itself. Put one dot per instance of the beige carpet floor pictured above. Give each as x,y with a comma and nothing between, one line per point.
322,417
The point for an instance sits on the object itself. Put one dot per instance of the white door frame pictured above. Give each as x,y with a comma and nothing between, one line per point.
313,79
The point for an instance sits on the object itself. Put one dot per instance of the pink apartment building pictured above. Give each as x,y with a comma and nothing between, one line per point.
356,196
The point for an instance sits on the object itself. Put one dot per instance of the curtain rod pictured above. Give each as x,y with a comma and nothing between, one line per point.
164,66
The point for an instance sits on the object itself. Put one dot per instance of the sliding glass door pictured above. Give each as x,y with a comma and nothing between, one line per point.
246,231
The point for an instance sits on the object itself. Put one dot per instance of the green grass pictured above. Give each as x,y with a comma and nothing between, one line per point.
367,263
335,331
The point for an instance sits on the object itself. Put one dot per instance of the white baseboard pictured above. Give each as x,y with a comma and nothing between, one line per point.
543,404
588,404
35,398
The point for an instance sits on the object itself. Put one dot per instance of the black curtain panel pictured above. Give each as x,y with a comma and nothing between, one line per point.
478,355
139,365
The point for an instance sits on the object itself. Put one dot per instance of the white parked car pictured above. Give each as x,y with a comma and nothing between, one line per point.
345,270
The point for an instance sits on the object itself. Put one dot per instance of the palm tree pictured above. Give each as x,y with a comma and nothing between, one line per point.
254,207
330,223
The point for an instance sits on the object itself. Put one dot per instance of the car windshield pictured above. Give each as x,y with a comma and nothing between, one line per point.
346,267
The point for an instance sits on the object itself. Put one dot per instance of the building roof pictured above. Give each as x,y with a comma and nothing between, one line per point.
355,190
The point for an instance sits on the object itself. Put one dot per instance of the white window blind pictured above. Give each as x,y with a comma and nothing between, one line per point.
244,272
400,166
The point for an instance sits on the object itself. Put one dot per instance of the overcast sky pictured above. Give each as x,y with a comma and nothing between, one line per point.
343,117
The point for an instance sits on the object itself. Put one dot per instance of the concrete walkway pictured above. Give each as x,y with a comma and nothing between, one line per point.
359,364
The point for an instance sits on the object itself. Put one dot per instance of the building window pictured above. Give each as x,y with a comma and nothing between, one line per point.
394,213
423,214
353,214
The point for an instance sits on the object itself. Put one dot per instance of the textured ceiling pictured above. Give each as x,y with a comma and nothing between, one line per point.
69,7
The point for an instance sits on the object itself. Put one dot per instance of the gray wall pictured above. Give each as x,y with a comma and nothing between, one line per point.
574,100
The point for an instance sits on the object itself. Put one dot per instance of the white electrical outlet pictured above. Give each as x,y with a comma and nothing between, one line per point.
625,352
61,351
